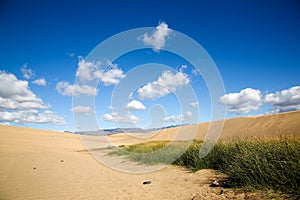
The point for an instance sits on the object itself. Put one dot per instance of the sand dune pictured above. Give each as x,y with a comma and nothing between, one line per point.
244,127
37,164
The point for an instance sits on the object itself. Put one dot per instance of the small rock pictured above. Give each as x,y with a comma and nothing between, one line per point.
61,160
34,168
146,182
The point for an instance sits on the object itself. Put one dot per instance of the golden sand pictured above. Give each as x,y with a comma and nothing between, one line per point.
38,164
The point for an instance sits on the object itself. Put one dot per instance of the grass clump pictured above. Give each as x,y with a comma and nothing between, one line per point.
262,164
153,152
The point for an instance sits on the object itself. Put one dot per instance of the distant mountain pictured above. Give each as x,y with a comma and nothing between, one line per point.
114,131
103,132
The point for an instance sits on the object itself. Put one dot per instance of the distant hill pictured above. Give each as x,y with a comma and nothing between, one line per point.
103,132
114,131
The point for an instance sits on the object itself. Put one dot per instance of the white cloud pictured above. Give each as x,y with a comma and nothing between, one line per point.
5,123
245,101
16,95
71,54
195,72
87,71
82,109
135,105
182,68
178,118
18,104
194,104
115,117
66,89
165,84
14,104
112,77
31,116
158,38
41,82
250,99
108,73
27,72
110,64
285,100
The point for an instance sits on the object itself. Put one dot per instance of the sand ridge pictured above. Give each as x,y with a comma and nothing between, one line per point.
274,125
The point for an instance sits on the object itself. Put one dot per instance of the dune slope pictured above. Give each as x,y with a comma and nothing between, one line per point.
245,127
37,164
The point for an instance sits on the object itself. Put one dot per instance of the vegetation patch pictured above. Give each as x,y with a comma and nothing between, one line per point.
259,164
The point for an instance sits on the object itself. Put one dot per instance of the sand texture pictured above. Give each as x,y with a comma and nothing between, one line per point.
37,164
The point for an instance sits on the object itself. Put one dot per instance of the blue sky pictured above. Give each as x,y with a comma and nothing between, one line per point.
254,44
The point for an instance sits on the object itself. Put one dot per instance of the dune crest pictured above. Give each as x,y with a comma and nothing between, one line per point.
244,127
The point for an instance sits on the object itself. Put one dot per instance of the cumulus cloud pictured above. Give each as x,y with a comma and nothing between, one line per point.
158,38
179,118
87,71
67,89
27,72
16,95
41,82
250,99
194,104
107,73
82,109
135,105
245,101
165,84
18,104
14,104
115,117
31,116
285,100
112,77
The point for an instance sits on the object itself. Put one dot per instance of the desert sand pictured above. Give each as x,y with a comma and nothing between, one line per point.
38,164
267,126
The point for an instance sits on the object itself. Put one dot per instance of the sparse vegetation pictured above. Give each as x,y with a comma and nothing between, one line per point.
153,152
261,164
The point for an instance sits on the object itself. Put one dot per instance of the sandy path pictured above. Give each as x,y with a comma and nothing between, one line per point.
39,164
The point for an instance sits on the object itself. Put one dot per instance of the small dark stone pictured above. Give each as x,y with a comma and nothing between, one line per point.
222,192
34,168
61,160
146,182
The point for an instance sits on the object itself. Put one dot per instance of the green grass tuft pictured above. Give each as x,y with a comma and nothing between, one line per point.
262,164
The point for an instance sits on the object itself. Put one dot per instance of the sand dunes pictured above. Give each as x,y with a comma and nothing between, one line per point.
38,164
245,127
